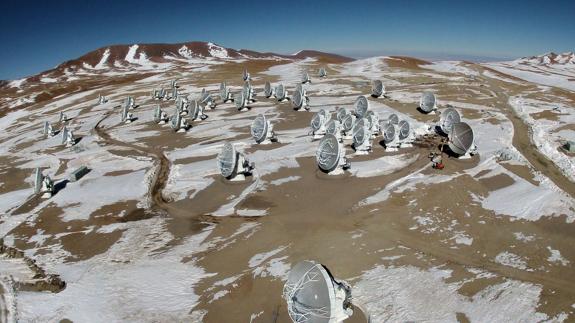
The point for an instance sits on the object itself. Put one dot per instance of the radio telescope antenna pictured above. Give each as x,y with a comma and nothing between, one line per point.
48,131
160,116
427,103
333,127
281,93
127,116
377,89
241,101
197,111
63,117
179,123
361,105
305,78
347,125
461,140
448,118
393,119
340,114
262,130
207,100
246,75
390,137
300,99
361,137
404,135
313,295
318,123
249,92
102,99
268,90
233,165
322,72
68,137
330,155
373,122
225,94
43,184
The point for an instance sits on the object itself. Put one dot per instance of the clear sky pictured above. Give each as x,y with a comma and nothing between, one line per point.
38,35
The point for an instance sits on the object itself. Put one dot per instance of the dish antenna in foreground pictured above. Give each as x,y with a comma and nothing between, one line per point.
361,105
300,99
461,140
225,94
43,184
330,155
377,89
427,103
318,123
361,137
313,295
233,165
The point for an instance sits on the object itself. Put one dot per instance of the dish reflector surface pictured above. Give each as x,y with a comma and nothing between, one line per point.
327,155
388,133
427,102
227,159
259,128
377,88
460,138
449,117
403,129
361,106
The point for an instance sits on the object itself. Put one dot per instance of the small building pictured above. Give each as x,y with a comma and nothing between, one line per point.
79,173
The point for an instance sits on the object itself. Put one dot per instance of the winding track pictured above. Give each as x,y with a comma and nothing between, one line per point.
160,175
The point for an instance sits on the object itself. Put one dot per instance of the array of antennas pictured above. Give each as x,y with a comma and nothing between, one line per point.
233,165
43,184
314,295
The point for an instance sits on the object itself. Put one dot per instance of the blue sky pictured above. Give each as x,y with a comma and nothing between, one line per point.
38,35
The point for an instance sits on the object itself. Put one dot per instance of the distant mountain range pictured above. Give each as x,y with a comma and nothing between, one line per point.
549,59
